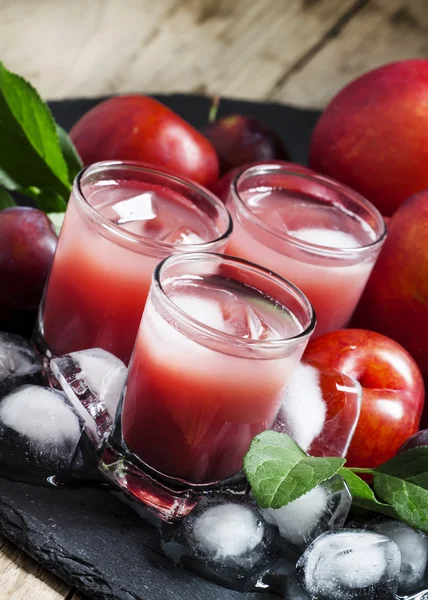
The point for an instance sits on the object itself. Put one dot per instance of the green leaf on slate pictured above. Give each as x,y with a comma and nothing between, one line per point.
403,483
362,494
6,200
279,471
30,152
70,154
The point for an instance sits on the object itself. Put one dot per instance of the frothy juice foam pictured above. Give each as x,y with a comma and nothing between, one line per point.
99,284
192,408
332,284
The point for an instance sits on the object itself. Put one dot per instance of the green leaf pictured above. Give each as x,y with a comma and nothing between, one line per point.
30,152
362,494
70,154
403,483
57,220
6,200
280,472
46,200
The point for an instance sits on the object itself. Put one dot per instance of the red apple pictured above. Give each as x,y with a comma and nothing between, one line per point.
239,140
222,186
395,301
373,135
393,390
142,129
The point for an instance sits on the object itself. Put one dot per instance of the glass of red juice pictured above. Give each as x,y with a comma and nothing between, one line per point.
218,342
316,232
122,219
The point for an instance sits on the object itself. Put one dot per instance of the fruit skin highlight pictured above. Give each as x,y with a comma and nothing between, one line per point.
395,301
373,135
142,129
393,390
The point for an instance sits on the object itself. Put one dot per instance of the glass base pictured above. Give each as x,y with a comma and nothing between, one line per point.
38,337
167,498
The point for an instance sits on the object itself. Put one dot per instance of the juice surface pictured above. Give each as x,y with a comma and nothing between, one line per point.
98,286
333,285
190,410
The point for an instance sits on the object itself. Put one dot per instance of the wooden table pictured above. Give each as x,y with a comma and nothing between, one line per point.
292,51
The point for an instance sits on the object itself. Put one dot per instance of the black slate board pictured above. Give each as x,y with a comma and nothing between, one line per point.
88,536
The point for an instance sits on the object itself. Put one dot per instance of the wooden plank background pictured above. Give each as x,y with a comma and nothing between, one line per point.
292,51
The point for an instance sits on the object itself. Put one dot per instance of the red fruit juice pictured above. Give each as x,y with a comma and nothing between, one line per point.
109,245
193,405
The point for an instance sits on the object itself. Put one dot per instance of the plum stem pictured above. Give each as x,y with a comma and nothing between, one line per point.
212,115
361,470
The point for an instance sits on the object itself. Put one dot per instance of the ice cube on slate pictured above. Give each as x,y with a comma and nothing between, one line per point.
324,508
39,432
351,564
413,546
93,381
19,363
320,410
226,539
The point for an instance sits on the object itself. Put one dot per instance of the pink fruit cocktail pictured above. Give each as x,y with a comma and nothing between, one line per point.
122,219
320,235
218,342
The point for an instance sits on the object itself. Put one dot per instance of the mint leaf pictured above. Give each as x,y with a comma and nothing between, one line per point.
362,494
45,199
70,154
279,471
403,483
6,200
30,152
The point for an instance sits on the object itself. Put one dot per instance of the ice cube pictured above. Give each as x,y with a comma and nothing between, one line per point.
39,432
138,208
320,410
351,565
105,375
241,319
331,238
204,310
226,539
93,381
324,508
413,546
19,363
183,235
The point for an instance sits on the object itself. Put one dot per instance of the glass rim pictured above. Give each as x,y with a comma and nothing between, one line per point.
223,336
141,240
294,241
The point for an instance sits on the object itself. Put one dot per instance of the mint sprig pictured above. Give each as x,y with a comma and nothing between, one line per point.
279,472
37,158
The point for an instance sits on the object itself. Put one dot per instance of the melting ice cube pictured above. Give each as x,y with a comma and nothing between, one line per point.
351,565
320,410
183,235
19,363
225,538
39,431
93,381
413,546
324,508
331,238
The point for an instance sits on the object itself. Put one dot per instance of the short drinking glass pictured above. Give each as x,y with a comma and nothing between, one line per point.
122,219
316,232
218,342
